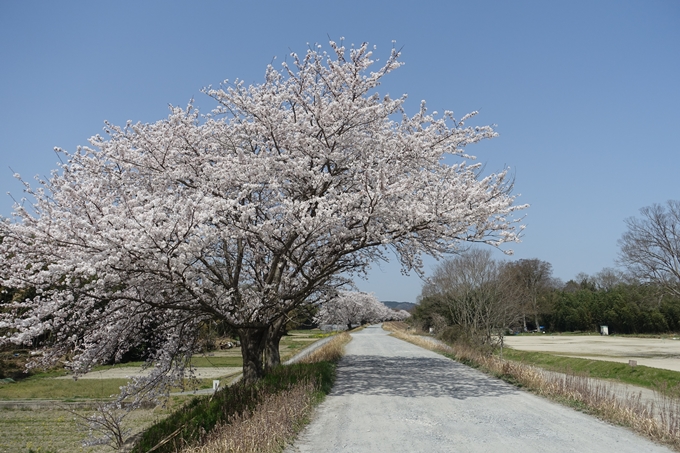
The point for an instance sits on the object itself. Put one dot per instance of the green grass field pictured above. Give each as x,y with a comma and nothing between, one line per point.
51,428
665,381
213,361
55,429
60,389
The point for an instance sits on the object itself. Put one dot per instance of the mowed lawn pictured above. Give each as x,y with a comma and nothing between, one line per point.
47,387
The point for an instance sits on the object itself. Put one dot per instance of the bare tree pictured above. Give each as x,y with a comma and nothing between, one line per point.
650,249
608,278
528,278
471,288
105,426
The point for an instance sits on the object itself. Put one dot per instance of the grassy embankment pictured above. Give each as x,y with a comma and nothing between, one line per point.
663,381
261,417
659,421
53,428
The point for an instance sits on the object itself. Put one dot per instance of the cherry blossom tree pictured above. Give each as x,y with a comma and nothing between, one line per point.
241,215
352,308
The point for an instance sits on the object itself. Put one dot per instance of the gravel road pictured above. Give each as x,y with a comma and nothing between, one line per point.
392,396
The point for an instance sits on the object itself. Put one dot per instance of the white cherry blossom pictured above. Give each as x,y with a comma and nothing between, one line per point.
241,215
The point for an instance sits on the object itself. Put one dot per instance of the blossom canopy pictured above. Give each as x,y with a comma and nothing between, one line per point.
243,214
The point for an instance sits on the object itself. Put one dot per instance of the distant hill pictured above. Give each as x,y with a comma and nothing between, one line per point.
399,305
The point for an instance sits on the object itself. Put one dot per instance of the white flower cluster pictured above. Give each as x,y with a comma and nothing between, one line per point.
350,308
241,215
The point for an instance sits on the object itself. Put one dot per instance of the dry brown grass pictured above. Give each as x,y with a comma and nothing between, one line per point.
267,428
332,351
422,341
278,418
659,420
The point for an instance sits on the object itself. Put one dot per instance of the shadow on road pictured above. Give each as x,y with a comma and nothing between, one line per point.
414,377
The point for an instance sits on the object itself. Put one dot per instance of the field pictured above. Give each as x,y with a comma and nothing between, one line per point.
39,413
662,353
53,428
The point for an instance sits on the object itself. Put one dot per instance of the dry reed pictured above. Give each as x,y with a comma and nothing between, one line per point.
658,420
277,419
267,428
425,342
332,351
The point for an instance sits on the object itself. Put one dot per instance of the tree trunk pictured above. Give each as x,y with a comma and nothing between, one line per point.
252,349
538,328
272,357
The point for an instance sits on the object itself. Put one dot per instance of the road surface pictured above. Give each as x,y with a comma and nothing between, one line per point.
392,396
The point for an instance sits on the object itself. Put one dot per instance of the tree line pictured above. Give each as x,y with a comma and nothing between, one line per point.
627,307
352,308
474,297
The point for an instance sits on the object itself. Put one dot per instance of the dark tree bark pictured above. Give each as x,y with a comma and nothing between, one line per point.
272,356
252,350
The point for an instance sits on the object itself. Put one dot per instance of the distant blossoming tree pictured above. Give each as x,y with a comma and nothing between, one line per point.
353,308
241,215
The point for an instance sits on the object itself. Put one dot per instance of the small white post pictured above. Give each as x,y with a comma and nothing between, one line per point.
216,384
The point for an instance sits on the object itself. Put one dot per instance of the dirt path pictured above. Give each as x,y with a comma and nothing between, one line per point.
392,396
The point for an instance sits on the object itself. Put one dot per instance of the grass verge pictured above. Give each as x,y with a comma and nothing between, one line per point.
658,421
260,417
663,381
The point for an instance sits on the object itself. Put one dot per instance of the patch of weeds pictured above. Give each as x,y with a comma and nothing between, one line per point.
246,411
509,378
191,423
666,382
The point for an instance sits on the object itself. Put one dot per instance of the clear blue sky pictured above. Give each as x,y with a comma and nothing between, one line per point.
585,94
